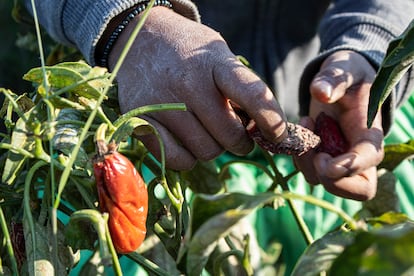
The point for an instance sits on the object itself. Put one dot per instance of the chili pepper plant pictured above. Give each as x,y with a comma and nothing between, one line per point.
58,215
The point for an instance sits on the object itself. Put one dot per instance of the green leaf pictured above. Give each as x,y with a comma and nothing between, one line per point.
320,255
204,178
212,219
134,125
81,79
389,218
398,59
386,199
387,251
400,49
396,153
80,235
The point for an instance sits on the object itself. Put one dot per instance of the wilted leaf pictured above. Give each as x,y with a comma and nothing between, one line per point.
25,103
15,161
39,258
14,103
91,81
396,153
320,255
67,137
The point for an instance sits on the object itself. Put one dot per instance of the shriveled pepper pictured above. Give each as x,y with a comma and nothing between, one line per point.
122,193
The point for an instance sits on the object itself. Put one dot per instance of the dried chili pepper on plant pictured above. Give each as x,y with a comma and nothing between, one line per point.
122,193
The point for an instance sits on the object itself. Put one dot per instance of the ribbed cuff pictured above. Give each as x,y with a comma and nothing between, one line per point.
363,33
85,21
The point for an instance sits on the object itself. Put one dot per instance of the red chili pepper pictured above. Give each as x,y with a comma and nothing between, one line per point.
122,193
333,140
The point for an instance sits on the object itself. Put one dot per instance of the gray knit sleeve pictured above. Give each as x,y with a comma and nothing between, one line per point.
366,27
80,23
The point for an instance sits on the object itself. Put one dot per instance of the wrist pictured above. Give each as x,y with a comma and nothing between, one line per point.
116,26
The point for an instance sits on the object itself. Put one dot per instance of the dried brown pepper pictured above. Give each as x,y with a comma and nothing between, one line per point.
123,195
299,140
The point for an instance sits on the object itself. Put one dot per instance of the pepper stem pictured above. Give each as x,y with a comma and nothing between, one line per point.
101,146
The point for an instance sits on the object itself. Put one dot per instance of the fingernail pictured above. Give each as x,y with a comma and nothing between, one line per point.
324,89
345,160
342,165
338,171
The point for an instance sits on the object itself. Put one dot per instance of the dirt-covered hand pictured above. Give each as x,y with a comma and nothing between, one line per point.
176,60
341,90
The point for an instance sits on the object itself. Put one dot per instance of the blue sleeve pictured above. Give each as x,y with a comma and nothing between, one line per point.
80,23
366,27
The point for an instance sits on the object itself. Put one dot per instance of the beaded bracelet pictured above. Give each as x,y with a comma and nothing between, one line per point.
104,54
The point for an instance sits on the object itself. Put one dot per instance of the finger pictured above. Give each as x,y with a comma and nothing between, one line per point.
361,186
330,84
366,148
190,133
360,158
177,157
246,89
304,163
219,118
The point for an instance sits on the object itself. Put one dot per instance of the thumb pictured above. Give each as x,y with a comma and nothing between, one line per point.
337,74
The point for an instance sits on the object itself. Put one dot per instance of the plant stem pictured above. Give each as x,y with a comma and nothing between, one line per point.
174,201
27,208
149,266
74,85
20,151
9,245
283,181
300,221
115,261
352,224
99,222
226,166
54,249
39,42
147,109
218,261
